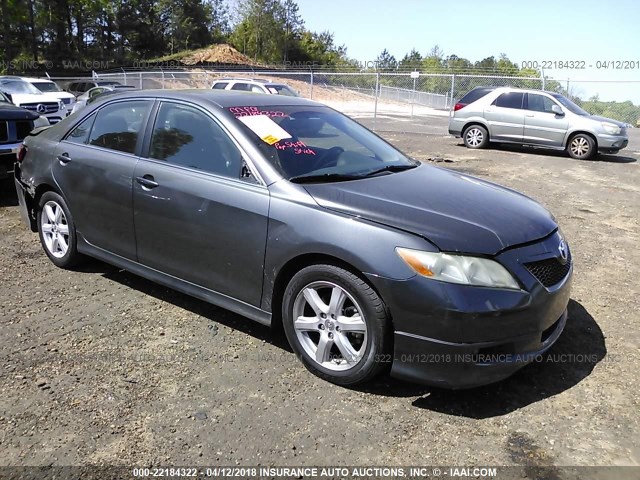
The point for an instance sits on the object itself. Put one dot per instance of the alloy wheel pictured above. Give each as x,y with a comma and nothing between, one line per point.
330,325
55,229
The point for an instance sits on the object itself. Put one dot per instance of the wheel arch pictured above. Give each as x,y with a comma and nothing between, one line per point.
578,132
33,201
471,123
297,263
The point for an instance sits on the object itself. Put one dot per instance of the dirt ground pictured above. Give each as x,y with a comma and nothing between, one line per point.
102,367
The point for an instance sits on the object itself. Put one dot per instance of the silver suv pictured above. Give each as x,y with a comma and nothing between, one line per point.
254,85
533,118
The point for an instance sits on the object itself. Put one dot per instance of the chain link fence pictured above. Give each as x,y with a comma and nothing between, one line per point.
372,94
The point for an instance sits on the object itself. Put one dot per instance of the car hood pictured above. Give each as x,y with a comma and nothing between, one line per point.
11,112
32,98
607,120
456,212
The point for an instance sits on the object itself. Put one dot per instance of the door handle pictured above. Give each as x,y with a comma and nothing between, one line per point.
64,158
147,181
529,115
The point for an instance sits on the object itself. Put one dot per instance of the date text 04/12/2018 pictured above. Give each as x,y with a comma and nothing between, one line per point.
581,64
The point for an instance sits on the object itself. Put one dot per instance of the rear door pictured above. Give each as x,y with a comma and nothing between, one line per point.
94,168
505,117
542,126
195,218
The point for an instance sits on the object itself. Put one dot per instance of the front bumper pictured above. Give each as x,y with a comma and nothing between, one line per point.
611,143
458,336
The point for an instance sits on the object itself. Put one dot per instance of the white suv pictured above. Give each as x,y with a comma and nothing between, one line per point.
47,86
256,86
23,94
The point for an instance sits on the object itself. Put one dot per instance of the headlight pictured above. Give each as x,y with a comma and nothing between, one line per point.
61,105
40,122
458,269
611,129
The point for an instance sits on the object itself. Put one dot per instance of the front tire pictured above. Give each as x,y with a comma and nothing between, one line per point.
475,136
57,231
581,147
336,324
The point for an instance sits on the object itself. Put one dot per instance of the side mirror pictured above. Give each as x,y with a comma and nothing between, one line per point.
245,173
557,110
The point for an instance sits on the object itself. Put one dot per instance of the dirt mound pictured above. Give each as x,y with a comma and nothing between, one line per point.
220,53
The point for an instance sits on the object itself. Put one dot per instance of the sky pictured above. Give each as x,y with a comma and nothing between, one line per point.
580,30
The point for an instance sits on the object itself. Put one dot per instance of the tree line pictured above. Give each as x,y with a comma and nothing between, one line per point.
121,31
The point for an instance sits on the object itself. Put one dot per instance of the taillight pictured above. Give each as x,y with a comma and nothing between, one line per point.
22,152
458,106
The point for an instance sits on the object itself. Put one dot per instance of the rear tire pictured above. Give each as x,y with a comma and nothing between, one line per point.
475,136
581,147
337,325
57,231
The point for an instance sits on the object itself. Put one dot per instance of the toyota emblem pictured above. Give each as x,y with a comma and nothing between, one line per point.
564,252
41,108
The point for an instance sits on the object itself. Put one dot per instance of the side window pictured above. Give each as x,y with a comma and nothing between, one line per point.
245,87
80,134
539,103
509,100
220,85
118,125
257,89
187,137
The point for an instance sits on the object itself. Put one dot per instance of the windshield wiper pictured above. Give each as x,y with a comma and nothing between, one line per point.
390,168
324,177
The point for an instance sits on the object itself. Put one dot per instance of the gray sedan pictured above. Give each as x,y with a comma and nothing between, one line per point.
286,211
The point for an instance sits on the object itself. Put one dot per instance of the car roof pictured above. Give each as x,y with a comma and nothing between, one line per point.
220,98
33,79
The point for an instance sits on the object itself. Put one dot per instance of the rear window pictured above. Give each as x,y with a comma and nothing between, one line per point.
509,100
220,85
475,94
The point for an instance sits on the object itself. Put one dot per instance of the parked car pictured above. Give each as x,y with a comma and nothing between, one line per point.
255,86
25,95
534,118
15,125
77,88
52,88
94,93
284,210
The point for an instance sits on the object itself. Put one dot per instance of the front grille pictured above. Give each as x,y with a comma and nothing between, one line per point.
549,272
22,129
50,107
4,131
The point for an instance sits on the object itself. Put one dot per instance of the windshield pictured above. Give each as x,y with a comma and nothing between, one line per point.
46,86
317,143
569,105
18,86
281,90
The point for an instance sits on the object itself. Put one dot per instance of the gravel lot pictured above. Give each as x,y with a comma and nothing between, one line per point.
102,367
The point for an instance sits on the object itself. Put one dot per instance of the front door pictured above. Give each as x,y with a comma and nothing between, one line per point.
542,126
195,218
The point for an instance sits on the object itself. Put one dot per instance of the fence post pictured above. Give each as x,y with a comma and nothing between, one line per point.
311,86
453,87
544,80
375,105
140,75
161,70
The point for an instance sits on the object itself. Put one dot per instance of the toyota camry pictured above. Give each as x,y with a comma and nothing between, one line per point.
286,211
